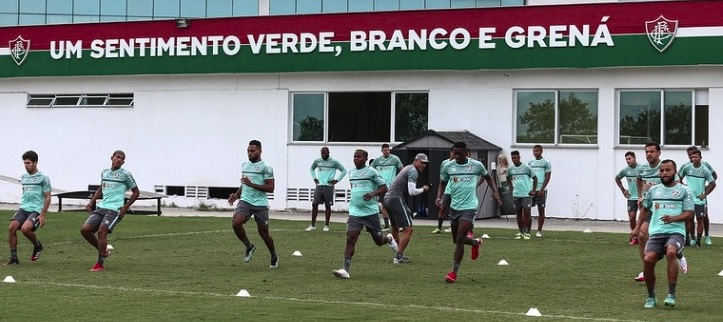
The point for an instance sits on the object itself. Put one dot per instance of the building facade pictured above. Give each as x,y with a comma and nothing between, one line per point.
588,82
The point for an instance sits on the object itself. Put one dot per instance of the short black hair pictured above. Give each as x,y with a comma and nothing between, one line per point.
256,143
460,145
670,161
691,149
30,155
515,152
385,145
653,144
537,146
631,153
119,152
363,152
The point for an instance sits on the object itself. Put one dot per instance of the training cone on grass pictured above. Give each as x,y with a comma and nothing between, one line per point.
503,263
9,279
109,247
296,253
533,312
587,230
243,293
485,236
719,274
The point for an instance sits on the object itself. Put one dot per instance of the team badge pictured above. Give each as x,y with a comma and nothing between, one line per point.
661,32
19,49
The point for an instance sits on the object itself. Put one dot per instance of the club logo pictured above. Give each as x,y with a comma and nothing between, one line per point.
661,32
19,49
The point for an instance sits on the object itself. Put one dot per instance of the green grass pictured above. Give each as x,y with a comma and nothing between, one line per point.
183,269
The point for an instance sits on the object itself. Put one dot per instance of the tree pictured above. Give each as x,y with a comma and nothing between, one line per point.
576,120
540,121
411,115
312,129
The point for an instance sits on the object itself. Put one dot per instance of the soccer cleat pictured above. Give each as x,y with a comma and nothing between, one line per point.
392,243
436,231
526,237
539,234
341,273
97,267
385,229
708,241
650,303
519,236
683,264
310,228
12,261
634,241
669,300
692,242
475,249
274,262
326,228
36,252
640,277
451,277
249,253
448,230
470,234
403,260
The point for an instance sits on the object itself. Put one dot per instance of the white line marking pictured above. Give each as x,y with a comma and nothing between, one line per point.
291,299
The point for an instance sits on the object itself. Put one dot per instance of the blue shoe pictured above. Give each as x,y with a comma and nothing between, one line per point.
651,302
669,300
692,242
707,241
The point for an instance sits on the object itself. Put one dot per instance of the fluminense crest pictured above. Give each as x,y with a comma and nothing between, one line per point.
661,32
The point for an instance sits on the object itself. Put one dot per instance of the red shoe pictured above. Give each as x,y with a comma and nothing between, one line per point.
475,249
97,267
640,277
451,277
634,241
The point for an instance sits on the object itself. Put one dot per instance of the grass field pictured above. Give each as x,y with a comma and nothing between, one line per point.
183,269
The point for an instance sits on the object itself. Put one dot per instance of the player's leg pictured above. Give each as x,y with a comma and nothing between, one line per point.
541,212
15,223
328,202
706,227
28,230
91,225
642,242
385,213
261,215
354,226
632,216
671,256
519,213
401,218
109,222
241,215
700,219
654,250
318,198
526,217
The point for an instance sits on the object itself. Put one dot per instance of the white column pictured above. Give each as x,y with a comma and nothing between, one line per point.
264,8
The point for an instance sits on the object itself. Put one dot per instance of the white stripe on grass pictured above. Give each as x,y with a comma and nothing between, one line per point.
292,299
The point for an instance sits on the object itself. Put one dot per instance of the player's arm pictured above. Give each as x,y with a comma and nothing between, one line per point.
440,191
639,223
268,185
234,196
619,182
708,189
381,190
44,211
340,174
547,180
134,196
313,172
639,185
97,195
493,186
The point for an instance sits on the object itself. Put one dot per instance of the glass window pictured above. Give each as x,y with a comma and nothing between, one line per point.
513,2
63,7
361,6
463,4
701,125
487,3
308,6
411,112
678,117
639,117
557,117
166,9
59,19
9,7
536,117
193,8
140,9
112,10
219,8
32,19
245,8
411,4
334,5
308,116
8,19
86,8
578,117
32,6
282,7
359,117
386,5
438,4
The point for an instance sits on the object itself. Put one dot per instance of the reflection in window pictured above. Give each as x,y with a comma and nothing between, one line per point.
557,117
411,112
60,7
308,117
641,121
678,113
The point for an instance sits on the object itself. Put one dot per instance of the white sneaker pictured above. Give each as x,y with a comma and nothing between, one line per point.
326,228
448,230
392,243
683,264
341,273
640,277
539,234
310,228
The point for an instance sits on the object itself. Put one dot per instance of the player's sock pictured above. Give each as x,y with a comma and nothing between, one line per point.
455,266
347,263
386,222
439,223
14,253
101,259
246,242
399,255
651,291
671,288
697,243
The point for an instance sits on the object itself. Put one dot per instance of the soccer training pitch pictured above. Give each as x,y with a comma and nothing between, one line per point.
189,269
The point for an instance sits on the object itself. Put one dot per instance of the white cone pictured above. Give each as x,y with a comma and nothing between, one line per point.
109,246
587,230
503,263
9,279
243,293
296,253
533,312
485,236
721,273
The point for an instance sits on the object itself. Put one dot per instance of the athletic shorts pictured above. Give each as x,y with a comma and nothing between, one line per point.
22,215
371,222
658,243
539,201
455,216
632,205
260,213
522,202
105,217
699,211
323,194
400,214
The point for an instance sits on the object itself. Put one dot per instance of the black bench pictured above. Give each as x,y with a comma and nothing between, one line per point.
88,194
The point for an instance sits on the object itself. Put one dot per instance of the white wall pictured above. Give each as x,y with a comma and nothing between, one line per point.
193,130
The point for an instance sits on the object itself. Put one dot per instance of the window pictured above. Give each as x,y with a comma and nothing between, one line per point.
80,100
358,116
219,8
670,117
556,117
193,8
166,9
308,6
334,6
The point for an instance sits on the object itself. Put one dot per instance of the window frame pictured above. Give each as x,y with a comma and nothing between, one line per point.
52,100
